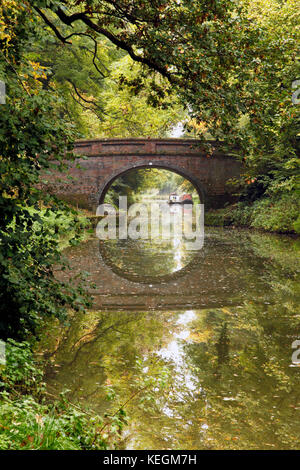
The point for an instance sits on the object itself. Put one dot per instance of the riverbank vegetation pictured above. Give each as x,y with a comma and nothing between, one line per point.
270,214
223,70
32,418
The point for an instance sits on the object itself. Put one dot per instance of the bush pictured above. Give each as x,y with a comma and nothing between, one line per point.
296,225
276,214
279,214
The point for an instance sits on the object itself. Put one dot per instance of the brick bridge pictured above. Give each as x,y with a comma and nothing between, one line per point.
107,159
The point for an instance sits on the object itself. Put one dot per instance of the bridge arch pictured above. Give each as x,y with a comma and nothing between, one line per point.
100,161
200,188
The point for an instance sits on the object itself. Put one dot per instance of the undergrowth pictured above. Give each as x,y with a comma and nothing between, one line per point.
31,418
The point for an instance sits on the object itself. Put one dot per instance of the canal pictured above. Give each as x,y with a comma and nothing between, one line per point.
196,345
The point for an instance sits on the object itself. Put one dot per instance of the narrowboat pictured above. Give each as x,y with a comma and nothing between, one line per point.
174,199
186,199
183,199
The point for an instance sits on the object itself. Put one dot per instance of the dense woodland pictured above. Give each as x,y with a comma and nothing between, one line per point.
224,70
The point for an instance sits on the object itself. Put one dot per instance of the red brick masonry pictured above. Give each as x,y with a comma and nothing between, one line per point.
207,167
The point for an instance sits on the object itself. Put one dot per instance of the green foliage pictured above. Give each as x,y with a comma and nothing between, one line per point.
20,372
127,184
273,214
276,215
132,113
31,419
230,64
269,135
32,135
296,225
93,87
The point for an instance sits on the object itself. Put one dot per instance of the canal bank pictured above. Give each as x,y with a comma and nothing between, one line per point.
279,215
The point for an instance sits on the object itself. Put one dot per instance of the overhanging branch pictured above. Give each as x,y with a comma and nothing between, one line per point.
122,44
52,26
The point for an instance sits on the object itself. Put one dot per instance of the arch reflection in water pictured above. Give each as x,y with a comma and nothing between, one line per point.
137,261
125,275
156,260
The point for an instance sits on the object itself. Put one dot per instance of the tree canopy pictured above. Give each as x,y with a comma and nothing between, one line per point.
232,65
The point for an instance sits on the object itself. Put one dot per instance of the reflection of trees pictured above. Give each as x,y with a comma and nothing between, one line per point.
253,399
233,389
142,261
103,349
222,346
245,394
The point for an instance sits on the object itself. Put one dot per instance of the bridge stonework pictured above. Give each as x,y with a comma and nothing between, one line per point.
107,159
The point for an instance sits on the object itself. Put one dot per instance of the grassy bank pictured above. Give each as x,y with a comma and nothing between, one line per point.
281,215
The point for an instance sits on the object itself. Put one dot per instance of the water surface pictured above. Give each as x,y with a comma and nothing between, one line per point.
198,345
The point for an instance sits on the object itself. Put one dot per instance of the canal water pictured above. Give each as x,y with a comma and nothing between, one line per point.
196,345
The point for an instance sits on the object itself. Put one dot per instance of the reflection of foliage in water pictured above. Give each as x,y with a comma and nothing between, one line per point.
254,399
211,378
138,257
